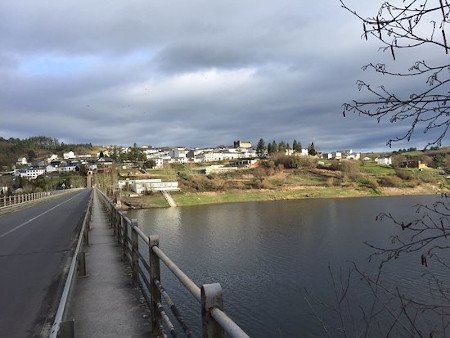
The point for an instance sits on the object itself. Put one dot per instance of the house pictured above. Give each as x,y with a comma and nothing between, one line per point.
154,184
242,144
69,155
30,173
384,160
178,152
67,168
414,164
51,158
302,152
105,161
51,169
22,161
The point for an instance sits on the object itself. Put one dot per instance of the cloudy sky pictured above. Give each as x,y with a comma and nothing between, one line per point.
191,73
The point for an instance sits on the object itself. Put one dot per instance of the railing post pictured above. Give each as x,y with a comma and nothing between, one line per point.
134,250
154,274
211,298
125,238
121,226
82,272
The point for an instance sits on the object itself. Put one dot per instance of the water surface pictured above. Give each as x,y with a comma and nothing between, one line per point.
265,254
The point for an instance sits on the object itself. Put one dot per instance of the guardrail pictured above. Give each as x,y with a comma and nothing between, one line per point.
215,322
10,203
62,327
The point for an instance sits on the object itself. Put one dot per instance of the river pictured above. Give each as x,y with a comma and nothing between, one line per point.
266,254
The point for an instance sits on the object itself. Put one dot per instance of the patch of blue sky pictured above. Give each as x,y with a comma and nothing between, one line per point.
138,56
56,65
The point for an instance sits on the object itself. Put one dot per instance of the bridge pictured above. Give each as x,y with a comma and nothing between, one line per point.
73,265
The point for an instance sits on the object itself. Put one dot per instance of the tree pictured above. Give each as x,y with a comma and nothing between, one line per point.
414,25
312,149
296,146
261,148
411,25
282,147
269,148
274,147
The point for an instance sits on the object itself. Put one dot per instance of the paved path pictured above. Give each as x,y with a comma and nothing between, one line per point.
36,245
106,303
169,198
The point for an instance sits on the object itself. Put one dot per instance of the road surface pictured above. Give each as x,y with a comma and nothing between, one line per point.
36,244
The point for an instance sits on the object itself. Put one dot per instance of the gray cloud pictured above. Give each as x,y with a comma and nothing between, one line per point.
191,73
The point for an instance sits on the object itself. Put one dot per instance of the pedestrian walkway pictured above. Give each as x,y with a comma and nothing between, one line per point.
106,303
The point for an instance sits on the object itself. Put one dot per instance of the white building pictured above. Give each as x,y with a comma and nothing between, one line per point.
178,152
67,168
30,173
22,161
141,186
51,169
52,157
384,160
69,155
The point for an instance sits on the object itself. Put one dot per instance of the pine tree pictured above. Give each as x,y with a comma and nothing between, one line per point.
274,147
311,149
261,147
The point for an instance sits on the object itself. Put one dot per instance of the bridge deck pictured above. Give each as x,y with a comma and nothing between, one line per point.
106,303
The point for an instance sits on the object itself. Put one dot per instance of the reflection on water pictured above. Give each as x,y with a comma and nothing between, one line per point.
265,253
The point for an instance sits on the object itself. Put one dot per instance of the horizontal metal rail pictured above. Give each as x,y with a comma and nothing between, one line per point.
182,277
59,322
227,323
215,322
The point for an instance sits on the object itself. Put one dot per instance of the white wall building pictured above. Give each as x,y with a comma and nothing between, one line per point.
384,160
69,155
141,186
30,173
22,161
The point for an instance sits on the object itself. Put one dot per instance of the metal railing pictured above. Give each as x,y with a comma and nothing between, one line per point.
62,327
215,322
13,202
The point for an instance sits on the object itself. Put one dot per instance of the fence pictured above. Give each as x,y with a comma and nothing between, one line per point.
16,199
61,327
215,322
14,202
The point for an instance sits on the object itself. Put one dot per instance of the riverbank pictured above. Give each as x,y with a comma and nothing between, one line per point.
156,200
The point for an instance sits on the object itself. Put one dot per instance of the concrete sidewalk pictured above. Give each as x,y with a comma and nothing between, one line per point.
106,303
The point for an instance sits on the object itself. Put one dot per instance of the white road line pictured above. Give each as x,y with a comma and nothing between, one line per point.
32,219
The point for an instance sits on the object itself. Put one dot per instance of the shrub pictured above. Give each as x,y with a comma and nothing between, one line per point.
349,168
368,182
404,174
390,181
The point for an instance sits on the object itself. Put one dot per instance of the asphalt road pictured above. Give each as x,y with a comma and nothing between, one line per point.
36,245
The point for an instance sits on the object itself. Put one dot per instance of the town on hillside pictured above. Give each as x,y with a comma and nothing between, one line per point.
242,165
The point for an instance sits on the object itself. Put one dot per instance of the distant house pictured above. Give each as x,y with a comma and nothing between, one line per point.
414,164
154,184
242,144
178,152
69,155
67,168
384,160
30,173
22,161
51,169
105,161
51,158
